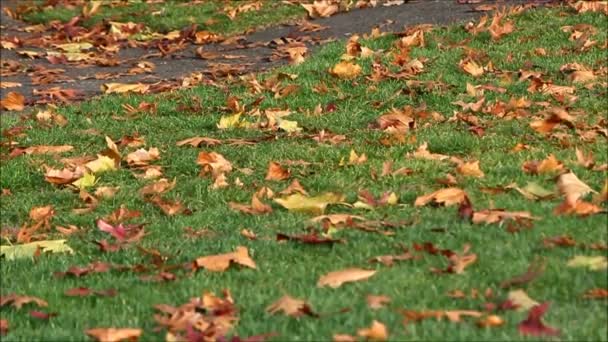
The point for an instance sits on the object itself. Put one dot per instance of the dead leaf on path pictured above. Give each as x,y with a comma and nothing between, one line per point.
447,197
376,332
534,326
377,302
291,307
276,172
118,88
257,207
13,101
337,278
313,205
346,70
221,262
114,334
593,263
321,8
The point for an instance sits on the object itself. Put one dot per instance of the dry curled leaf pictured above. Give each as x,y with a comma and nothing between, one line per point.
376,332
447,197
291,307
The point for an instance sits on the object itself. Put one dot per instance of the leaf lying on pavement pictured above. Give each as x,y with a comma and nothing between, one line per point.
118,88
28,250
221,262
337,278
313,205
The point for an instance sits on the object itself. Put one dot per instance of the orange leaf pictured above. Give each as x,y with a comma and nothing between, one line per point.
337,278
221,262
447,197
13,101
114,334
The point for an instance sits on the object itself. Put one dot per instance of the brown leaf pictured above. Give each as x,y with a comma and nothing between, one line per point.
470,169
276,172
221,262
337,278
291,307
321,8
13,101
548,165
346,70
109,88
423,153
18,301
257,207
161,186
213,163
141,157
294,187
535,269
377,302
489,216
447,197
471,67
114,334
311,239
198,141
45,149
376,332
584,160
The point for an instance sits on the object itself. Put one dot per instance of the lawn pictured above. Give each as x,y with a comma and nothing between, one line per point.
517,65
215,16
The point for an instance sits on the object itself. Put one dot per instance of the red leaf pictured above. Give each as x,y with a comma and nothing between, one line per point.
42,315
533,324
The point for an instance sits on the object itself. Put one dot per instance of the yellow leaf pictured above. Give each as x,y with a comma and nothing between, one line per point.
313,205
28,250
232,121
87,181
110,88
346,70
289,126
521,300
101,164
594,263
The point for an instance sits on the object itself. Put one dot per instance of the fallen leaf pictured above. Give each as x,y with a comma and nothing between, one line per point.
447,197
489,216
520,299
141,157
376,332
346,70
423,153
313,205
19,301
535,269
593,263
548,165
114,334
117,88
276,172
470,169
597,293
337,278
43,315
221,262
13,101
257,207
534,326
572,187
321,8
490,321
377,302
291,307
312,239
471,67
28,250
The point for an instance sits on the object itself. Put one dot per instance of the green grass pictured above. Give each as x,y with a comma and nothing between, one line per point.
292,268
177,14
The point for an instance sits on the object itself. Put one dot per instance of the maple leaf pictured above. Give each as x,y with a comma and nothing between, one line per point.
533,324
13,101
447,197
397,121
122,233
376,332
314,205
114,334
489,216
346,70
496,30
161,186
294,187
60,177
337,278
221,262
276,172
198,141
291,307
547,165
572,187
